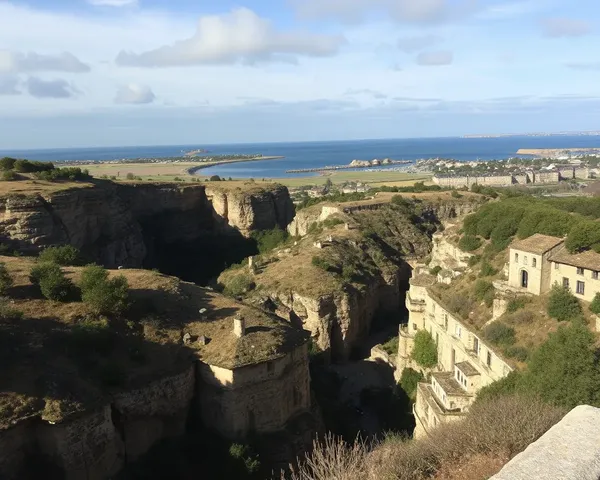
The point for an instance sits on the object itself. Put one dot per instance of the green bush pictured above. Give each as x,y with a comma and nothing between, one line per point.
7,163
409,380
214,178
7,312
499,334
52,282
9,176
484,291
487,270
267,240
455,194
583,236
332,222
130,176
245,455
67,173
517,352
516,303
323,264
26,166
425,350
64,255
6,280
562,304
435,270
102,295
595,305
474,260
239,285
469,243
391,346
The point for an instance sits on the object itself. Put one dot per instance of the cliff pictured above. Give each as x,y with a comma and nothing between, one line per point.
85,396
134,225
334,281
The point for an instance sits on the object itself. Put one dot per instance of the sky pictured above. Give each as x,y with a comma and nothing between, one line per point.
86,73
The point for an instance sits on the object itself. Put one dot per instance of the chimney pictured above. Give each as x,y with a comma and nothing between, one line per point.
239,326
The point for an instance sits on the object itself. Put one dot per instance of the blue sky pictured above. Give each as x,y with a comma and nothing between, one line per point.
128,72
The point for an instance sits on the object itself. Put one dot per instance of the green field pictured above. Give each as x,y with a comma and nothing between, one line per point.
378,178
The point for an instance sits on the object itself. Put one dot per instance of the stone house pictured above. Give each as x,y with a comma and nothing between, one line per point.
466,362
538,262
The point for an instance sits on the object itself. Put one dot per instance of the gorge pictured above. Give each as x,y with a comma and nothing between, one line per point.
204,373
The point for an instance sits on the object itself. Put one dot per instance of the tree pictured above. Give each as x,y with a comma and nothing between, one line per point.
583,236
215,178
409,380
108,297
595,305
425,350
130,176
63,255
6,280
469,243
93,275
562,304
9,176
52,282
7,163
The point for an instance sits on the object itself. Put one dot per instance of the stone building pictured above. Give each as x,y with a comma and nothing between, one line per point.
466,362
540,261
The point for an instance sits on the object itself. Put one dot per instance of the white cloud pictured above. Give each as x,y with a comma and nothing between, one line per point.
134,94
565,27
58,88
417,43
240,36
435,59
31,62
412,11
113,3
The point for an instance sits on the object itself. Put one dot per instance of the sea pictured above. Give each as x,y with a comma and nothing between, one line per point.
308,155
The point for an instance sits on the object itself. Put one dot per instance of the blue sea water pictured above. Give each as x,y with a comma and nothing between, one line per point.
303,155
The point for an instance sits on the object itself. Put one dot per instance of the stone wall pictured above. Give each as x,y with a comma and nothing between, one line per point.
257,398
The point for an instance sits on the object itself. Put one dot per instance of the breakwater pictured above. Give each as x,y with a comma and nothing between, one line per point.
345,167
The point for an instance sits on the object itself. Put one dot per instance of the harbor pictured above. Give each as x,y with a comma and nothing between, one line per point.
353,165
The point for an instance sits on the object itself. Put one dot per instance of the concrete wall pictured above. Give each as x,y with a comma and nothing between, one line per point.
592,286
258,398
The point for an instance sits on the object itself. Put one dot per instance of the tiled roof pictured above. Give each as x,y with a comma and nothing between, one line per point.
468,369
537,244
588,259
449,384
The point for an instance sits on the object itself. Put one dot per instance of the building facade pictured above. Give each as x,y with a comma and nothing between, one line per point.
540,261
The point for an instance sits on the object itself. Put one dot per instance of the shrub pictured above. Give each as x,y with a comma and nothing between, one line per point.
391,346
104,296
332,222
435,270
517,352
267,240
409,380
425,350
6,280
7,163
323,264
595,305
64,255
499,334
485,291
215,178
520,317
583,236
243,453
455,194
517,303
9,176
487,270
68,173
130,176
562,304
26,166
52,282
469,243
239,284
474,260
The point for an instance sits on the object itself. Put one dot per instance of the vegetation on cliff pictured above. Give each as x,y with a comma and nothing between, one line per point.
505,426
425,350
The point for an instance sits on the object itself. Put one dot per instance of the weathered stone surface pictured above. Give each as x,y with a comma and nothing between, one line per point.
570,450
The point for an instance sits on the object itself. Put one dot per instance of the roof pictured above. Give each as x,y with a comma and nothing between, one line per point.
537,244
468,369
588,259
449,384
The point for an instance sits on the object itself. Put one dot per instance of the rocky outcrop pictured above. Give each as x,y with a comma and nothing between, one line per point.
303,220
124,224
447,255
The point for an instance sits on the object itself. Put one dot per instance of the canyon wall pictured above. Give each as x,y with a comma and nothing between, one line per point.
123,224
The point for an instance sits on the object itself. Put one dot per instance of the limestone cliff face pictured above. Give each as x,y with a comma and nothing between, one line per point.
113,223
305,218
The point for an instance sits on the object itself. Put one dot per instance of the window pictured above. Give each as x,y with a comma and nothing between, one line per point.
534,262
524,260
579,271
414,326
458,331
489,359
476,345
556,265
595,275
446,321
581,288
517,257
565,282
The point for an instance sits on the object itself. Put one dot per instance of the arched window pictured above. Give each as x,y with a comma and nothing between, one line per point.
534,262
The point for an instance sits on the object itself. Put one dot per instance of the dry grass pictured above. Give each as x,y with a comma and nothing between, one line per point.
49,369
492,433
31,186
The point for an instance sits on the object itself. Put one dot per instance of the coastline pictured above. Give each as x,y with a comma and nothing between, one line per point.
196,168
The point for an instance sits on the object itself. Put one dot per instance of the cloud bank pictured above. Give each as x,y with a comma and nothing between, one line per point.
31,62
134,94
